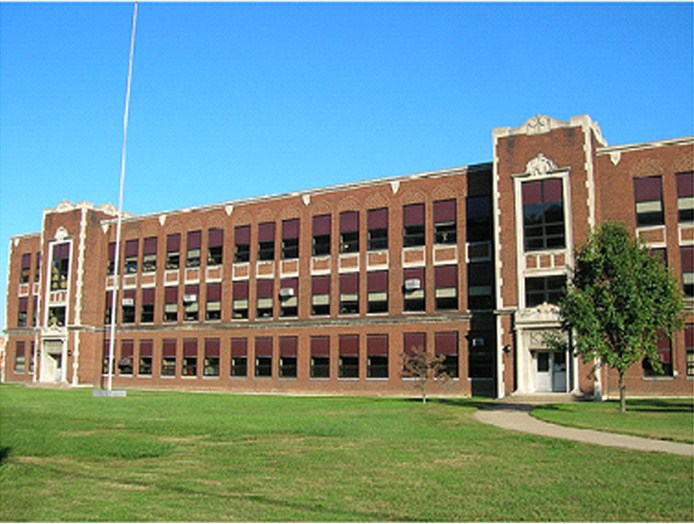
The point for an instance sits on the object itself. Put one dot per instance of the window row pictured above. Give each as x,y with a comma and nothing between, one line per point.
648,196
478,215
190,360
284,301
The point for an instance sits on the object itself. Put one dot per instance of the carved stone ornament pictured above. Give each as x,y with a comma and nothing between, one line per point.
615,157
61,234
539,124
540,166
65,205
229,209
395,186
306,199
162,220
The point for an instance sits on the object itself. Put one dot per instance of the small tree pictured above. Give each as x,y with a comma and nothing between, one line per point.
424,368
620,301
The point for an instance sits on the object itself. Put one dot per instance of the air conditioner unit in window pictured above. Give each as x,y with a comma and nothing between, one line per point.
286,292
190,298
413,284
128,302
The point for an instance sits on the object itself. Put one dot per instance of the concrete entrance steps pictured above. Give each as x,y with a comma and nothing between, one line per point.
541,398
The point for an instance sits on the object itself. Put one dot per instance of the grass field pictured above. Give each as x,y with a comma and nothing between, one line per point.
665,419
166,456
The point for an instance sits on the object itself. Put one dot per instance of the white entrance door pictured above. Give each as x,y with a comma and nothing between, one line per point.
550,371
52,362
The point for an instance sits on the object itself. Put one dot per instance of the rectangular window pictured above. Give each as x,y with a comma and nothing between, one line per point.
377,292
128,306
446,345
263,357
190,358
213,307
445,223
242,244
685,196
215,247
125,362
543,214
349,293
266,241
60,266
478,215
288,352
446,287
191,304
349,356
544,290
37,269
145,362
413,222
377,229
171,304
289,297
413,289
147,313
321,235
149,255
689,346
193,248
377,356
480,277
30,356
105,358
413,342
25,273
687,261
173,251
34,310
265,291
320,357
131,250
211,364
22,311
107,309
649,202
665,357
110,268
239,304
320,295
168,358
349,232
56,316
480,355
239,357
20,357
290,239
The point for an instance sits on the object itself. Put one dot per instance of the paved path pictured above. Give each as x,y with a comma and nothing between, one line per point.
517,417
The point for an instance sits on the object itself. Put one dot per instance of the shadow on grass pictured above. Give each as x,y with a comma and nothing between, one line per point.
317,508
635,405
4,454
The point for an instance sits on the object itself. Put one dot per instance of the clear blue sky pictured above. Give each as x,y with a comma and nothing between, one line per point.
236,100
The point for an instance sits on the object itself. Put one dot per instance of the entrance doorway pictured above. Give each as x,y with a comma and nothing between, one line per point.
550,371
53,361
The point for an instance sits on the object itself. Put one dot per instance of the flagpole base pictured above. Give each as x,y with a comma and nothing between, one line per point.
106,393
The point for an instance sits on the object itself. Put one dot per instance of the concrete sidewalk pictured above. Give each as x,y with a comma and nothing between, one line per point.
517,417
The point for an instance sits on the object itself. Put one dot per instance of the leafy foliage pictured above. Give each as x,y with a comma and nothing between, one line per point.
424,368
620,301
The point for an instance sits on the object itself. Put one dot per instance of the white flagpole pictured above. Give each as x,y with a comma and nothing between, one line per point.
116,269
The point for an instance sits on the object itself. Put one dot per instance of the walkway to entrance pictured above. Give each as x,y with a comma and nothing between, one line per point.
517,417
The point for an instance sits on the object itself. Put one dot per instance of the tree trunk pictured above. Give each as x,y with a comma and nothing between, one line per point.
622,394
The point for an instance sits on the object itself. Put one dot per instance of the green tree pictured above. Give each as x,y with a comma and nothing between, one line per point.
423,368
620,301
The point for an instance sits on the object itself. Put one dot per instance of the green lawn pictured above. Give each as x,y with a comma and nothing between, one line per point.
665,419
165,456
